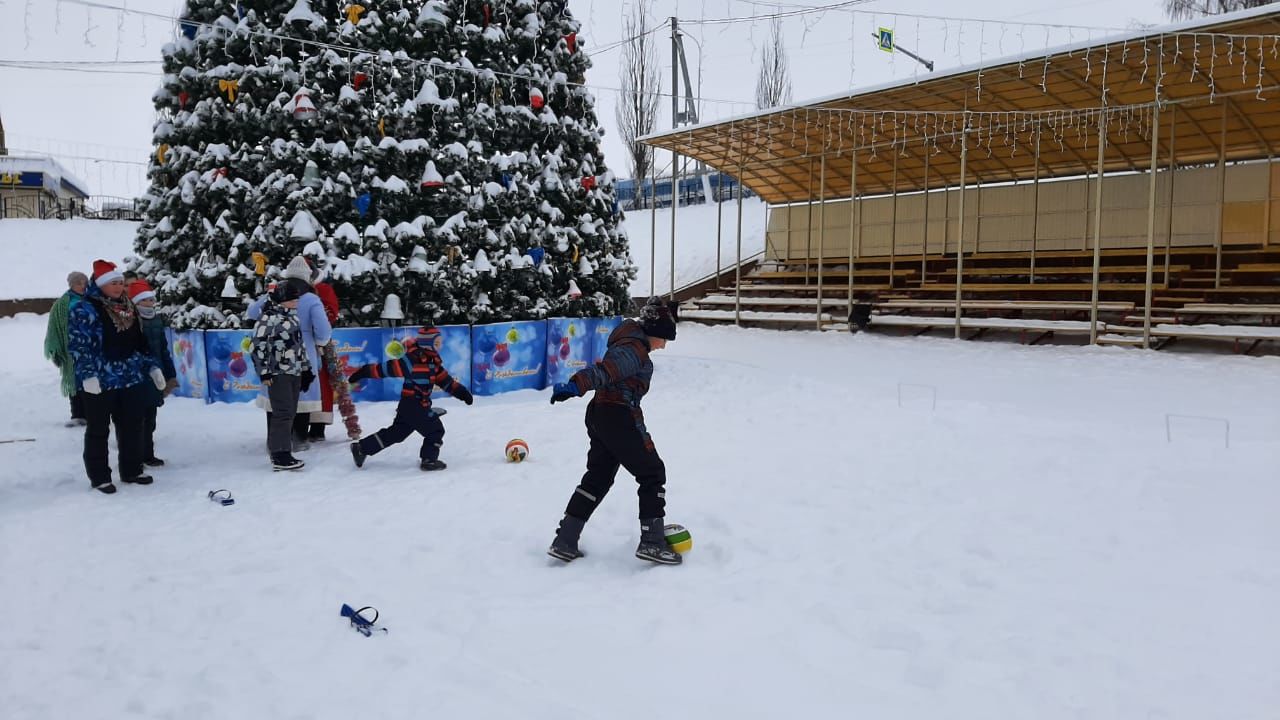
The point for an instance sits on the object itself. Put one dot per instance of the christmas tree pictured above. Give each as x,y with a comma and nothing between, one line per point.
441,150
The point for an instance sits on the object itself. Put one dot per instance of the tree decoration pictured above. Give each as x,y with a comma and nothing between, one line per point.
353,13
230,87
536,99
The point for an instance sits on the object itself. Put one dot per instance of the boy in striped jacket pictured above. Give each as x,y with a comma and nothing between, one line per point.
422,370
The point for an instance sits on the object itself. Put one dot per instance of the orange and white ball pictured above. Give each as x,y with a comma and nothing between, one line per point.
517,450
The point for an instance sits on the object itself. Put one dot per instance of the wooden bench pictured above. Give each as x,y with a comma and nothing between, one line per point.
1042,271
730,301
783,274
1072,305
1042,328
754,316
1034,288
842,289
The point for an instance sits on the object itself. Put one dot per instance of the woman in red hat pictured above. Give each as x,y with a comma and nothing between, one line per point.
113,364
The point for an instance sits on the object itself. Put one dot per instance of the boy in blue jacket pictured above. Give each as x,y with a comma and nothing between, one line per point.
423,370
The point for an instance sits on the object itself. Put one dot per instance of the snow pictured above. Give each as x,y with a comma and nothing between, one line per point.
896,525
302,13
37,255
695,242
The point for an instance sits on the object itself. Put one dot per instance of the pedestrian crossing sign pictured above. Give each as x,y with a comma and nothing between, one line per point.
885,39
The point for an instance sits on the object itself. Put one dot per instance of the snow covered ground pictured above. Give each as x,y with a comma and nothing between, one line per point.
695,242
883,527
38,254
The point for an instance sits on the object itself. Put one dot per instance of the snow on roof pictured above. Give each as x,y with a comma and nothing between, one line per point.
1202,24
56,179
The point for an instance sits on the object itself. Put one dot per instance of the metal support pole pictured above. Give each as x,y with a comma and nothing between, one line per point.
653,224
719,223
1173,174
1097,228
1266,209
737,267
675,157
808,233
1151,222
853,225
1222,197
977,223
964,160
924,239
893,222
675,203
1035,206
822,231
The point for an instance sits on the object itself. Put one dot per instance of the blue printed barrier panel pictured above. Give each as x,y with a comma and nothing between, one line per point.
603,328
355,348
570,344
232,377
508,356
187,349
455,350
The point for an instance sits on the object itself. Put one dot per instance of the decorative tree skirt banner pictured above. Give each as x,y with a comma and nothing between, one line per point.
604,327
455,350
216,365
232,377
570,347
187,349
508,356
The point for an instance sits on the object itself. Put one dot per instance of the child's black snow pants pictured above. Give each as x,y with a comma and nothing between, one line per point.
619,438
411,417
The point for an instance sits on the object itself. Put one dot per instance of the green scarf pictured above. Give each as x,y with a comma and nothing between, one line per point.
55,343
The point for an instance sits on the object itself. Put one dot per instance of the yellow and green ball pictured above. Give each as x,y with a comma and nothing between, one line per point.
678,538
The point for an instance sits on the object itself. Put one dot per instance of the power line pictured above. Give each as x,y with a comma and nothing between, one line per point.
91,71
87,158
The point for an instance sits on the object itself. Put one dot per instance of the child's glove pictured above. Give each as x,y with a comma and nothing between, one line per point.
92,386
308,377
464,395
266,379
563,391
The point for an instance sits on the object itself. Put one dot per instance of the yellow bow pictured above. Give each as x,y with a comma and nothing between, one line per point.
353,13
230,87
259,264
161,153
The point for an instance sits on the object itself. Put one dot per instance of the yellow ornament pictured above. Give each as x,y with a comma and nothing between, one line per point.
246,344
513,336
259,264
230,87
382,127
575,253
162,152
573,330
395,349
353,13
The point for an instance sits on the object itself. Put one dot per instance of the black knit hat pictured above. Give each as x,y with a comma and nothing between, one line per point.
656,319
285,292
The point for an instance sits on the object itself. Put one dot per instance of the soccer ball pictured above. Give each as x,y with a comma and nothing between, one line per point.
517,450
678,538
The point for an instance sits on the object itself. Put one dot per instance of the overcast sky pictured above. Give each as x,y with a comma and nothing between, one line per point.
99,123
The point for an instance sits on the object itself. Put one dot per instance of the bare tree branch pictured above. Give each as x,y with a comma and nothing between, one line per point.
637,109
773,86
1190,9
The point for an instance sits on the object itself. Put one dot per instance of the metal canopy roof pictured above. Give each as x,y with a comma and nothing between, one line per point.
1218,82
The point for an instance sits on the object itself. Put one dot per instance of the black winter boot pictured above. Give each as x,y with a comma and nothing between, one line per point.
285,461
565,546
139,479
430,465
653,544
358,454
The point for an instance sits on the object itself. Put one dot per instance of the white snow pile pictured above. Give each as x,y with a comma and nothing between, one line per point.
37,255
883,527
695,241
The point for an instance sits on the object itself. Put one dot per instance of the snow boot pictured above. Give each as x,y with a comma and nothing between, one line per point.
316,432
285,461
358,454
433,465
105,488
653,544
565,546
153,462
139,479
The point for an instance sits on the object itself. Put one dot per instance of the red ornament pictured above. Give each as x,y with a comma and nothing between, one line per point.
536,99
572,41
360,80
589,182
221,172
183,97
488,15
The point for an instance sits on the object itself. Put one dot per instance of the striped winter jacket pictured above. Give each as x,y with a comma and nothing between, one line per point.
422,369
623,376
